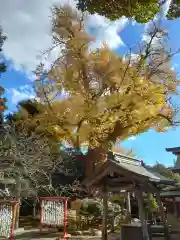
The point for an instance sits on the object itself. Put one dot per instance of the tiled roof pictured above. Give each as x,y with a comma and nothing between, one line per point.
136,166
174,150
170,193
132,165
118,163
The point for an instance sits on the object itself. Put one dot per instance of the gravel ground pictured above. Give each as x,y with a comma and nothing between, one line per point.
35,234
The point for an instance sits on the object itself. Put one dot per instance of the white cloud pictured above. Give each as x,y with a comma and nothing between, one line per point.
105,30
165,7
176,66
18,96
132,138
133,58
22,93
156,22
27,25
156,41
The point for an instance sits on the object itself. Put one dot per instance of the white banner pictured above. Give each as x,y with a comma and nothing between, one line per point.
52,212
6,218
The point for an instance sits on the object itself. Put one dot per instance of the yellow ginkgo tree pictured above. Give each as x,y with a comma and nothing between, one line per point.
94,98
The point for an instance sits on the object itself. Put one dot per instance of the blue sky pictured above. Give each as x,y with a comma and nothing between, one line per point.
27,27
151,145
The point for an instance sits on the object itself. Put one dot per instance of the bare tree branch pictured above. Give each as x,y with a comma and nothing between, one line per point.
30,158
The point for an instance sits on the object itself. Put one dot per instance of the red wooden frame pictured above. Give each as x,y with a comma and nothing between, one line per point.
14,205
64,200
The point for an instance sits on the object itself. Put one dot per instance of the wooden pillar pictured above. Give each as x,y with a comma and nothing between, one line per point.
175,207
105,214
142,215
34,208
128,204
163,216
18,198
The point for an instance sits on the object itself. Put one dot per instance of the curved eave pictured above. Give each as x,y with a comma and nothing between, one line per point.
170,194
175,150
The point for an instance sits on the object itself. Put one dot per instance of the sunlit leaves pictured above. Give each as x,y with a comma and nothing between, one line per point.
174,10
141,11
107,97
167,172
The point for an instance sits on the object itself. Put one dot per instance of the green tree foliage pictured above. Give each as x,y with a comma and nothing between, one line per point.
26,109
116,9
93,208
151,203
174,10
23,118
3,106
2,70
118,199
164,171
2,64
142,11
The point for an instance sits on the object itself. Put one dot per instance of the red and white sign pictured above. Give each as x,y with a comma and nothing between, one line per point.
54,212
7,218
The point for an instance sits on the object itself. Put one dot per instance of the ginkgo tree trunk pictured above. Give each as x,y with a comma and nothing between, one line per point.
94,98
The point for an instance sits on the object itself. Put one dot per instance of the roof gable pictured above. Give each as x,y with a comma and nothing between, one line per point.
132,169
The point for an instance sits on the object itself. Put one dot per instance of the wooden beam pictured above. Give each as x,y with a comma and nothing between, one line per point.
130,187
121,184
118,189
130,175
142,214
105,213
146,187
119,179
98,176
